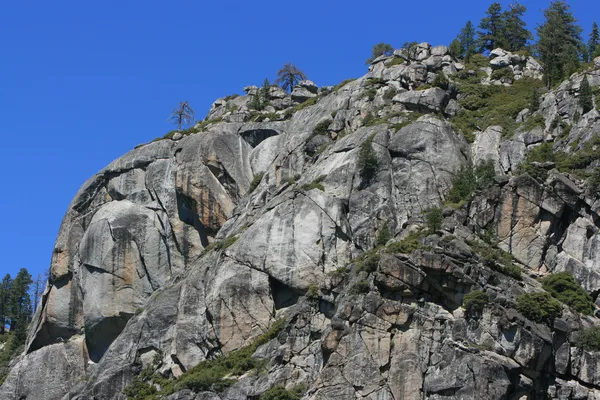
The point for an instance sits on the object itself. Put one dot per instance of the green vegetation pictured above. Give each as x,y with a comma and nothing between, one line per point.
588,339
361,287
13,346
367,160
407,245
586,101
367,262
380,49
565,288
261,98
383,235
593,46
281,393
559,43
574,163
395,61
539,307
533,122
370,120
221,244
322,127
468,180
441,81
389,94
434,218
503,74
342,84
316,184
255,181
474,302
496,258
487,105
216,374
369,93
464,46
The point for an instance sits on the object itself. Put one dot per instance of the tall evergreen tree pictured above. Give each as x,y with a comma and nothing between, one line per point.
515,33
586,101
559,42
492,29
455,49
4,301
466,38
593,46
20,301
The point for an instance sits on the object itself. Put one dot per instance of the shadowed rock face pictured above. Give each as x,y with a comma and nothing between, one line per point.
165,258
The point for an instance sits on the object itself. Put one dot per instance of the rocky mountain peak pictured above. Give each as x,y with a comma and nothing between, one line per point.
390,237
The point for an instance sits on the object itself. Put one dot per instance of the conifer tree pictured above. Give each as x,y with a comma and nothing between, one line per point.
513,27
455,49
380,49
492,29
586,101
466,37
593,46
19,300
559,42
4,301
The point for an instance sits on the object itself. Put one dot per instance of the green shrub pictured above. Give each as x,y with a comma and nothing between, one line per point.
139,389
367,262
588,339
361,287
539,307
512,270
533,122
441,81
13,345
407,245
487,105
369,93
370,120
434,218
540,154
383,235
389,94
565,288
367,160
312,293
342,84
281,393
395,61
316,184
464,185
221,244
503,74
210,374
255,181
322,127
474,302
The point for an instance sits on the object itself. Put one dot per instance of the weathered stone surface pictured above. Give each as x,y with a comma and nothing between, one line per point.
166,258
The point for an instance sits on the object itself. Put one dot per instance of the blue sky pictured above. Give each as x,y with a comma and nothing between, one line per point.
84,82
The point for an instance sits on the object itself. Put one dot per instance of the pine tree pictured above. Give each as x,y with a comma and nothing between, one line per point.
455,49
586,101
593,46
466,37
559,42
37,290
19,300
492,29
380,49
514,27
4,301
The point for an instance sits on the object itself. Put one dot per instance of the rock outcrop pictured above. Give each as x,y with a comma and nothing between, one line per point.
192,247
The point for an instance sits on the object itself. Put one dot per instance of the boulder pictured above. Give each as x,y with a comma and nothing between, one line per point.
428,100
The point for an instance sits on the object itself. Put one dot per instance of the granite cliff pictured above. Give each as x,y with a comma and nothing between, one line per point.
302,232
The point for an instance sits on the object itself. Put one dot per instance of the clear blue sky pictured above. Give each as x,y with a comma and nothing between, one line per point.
83,82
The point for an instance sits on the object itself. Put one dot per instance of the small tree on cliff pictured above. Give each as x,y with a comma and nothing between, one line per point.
289,76
380,49
183,114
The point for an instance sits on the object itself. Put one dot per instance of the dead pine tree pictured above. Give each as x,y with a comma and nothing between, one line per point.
183,114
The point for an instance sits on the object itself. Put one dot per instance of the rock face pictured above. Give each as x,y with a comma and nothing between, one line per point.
186,249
